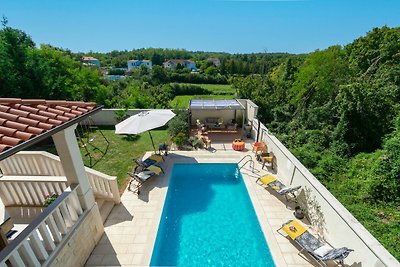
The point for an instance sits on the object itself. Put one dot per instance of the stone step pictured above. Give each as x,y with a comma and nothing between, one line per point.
105,210
100,202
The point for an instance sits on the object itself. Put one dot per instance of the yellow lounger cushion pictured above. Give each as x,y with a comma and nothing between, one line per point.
294,229
276,187
269,159
157,158
267,179
155,169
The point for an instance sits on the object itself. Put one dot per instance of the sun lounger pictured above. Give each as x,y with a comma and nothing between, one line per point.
272,182
153,159
141,175
319,250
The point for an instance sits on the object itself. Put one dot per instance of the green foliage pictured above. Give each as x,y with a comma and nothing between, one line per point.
180,139
188,89
49,199
335,111
386,186
121,114
179,125
195,142
47,72
367,110
318,79
14,45
117,72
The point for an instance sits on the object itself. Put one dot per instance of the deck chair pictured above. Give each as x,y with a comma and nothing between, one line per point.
319,250
272,182
153,159
142,174
257,146
265,157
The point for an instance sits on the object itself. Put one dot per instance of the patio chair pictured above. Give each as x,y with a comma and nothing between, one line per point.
140,175
319,250
273,183
265,157
257,146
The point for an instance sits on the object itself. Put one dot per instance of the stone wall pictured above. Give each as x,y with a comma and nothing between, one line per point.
82,241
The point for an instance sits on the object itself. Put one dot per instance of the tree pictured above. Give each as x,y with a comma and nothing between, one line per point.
13,53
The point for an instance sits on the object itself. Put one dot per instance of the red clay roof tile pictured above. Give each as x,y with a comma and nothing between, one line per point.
27,108
4,147
55,122
33,101
23,119
7,131
10,100
7,140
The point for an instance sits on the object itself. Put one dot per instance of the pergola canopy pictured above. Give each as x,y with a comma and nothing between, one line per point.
226,104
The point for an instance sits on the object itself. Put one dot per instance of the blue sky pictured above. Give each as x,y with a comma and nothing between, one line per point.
235,26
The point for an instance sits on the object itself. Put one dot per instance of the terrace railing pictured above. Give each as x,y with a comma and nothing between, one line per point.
328,215
40,240
31,165
30,190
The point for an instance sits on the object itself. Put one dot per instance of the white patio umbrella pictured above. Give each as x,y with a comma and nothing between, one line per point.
144,121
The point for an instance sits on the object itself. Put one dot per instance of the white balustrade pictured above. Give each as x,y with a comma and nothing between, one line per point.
39,163
40,240
30,190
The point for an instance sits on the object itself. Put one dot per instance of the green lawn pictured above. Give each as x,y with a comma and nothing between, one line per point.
217,89
122,150
182,101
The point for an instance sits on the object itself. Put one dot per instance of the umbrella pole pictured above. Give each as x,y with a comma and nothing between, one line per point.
152,142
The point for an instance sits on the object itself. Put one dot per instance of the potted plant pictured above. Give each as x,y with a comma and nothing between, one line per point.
298,213
48,199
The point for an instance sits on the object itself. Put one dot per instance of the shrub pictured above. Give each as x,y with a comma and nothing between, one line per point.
179,124
195,142
180,139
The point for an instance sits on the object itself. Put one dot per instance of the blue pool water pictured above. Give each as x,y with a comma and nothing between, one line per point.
208,220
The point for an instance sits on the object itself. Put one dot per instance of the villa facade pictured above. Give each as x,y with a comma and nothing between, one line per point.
173,63
74,231
136,64
65,232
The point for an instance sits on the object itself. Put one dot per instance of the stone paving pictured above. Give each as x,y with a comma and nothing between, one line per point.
131,228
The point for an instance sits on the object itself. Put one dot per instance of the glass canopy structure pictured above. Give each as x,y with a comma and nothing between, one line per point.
225,104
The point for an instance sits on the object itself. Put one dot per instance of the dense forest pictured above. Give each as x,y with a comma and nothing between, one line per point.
338,112
336,109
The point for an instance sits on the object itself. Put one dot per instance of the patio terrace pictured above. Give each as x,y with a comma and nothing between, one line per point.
131,228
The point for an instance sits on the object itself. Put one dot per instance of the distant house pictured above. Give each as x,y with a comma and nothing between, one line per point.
136,64
172,63
215,61
91,61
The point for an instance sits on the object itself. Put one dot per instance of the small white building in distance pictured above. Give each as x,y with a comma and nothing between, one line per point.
136,64
91,61
172,63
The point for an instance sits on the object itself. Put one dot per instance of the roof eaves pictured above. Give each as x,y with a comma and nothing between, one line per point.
10,151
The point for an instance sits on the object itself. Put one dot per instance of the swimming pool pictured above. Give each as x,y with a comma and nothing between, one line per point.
208,220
